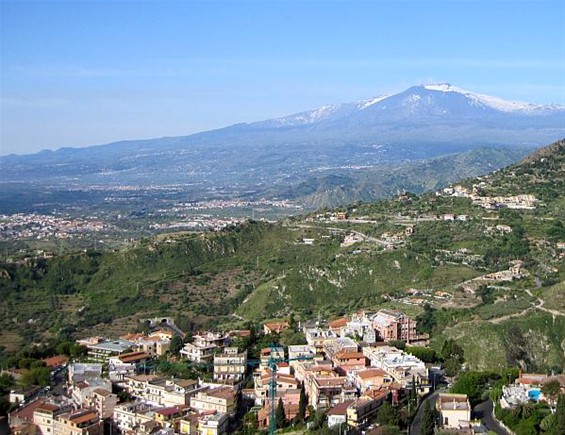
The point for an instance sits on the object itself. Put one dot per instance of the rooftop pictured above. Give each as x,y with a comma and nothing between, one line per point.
222,393
371,373
171,410
133,356
118,345
55,361
453,402
340,408
338,323
81,416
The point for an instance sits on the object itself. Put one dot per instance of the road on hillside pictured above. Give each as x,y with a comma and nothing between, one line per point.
483,412
415,426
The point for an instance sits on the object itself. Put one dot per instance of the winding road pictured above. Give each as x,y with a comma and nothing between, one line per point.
483,412
416,423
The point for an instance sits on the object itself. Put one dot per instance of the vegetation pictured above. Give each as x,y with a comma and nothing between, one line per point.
258,270
429,420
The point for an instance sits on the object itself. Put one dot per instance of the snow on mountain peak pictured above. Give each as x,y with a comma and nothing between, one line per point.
413,100
489,101
366,103
308,117
442,87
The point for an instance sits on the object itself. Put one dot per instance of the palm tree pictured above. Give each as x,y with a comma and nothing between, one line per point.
523,410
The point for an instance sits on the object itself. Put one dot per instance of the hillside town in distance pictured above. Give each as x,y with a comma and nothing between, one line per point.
65,224
165,381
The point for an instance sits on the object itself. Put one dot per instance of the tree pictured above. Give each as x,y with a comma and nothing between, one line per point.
560,415
548,423
387,415
425,354
452,354
37,376
390,430
428,424
399,344
176,344
551,390
414,392
523,410
302,404
250,423
6,381
280,415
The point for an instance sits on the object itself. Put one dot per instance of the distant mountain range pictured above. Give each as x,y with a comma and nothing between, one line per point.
283,155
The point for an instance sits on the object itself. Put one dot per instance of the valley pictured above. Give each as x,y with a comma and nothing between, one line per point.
492,268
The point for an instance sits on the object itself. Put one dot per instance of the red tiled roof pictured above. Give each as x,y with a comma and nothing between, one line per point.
82,416
277,326
171,410
340,408
338,323
55,361
133,356
48,407
370,373
26,412
350,355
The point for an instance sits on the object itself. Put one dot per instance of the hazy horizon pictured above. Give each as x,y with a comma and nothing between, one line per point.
77,74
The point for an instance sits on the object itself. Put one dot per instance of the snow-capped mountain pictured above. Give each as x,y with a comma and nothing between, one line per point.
438,100
421,122
494,102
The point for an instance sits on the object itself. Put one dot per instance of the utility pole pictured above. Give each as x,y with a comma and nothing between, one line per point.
272,364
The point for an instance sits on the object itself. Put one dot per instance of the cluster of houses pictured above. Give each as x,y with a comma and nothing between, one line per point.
524,202
345,368
37,226
514,272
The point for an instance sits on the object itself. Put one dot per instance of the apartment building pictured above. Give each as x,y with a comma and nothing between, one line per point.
222,399
393,325
161,391
230,366
81,422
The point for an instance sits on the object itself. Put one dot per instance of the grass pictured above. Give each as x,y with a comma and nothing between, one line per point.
12,341
255,306
485,344
554,297
503,308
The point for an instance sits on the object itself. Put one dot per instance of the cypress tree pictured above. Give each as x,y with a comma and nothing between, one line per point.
560,415
302,404
280,415
428,420
413,392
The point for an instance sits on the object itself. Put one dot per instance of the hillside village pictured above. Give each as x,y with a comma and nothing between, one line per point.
369,317
343,372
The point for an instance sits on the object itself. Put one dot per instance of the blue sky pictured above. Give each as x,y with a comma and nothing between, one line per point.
77,73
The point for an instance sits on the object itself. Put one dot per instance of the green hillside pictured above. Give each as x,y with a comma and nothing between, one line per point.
404,253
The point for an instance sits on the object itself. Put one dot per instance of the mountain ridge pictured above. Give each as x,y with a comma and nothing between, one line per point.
323,112
268,157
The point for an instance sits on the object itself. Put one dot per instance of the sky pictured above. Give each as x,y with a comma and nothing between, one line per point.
78,73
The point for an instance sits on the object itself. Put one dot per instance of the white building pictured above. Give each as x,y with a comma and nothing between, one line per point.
455,410
401,366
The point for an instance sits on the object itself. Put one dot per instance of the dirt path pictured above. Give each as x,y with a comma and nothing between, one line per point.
537,305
